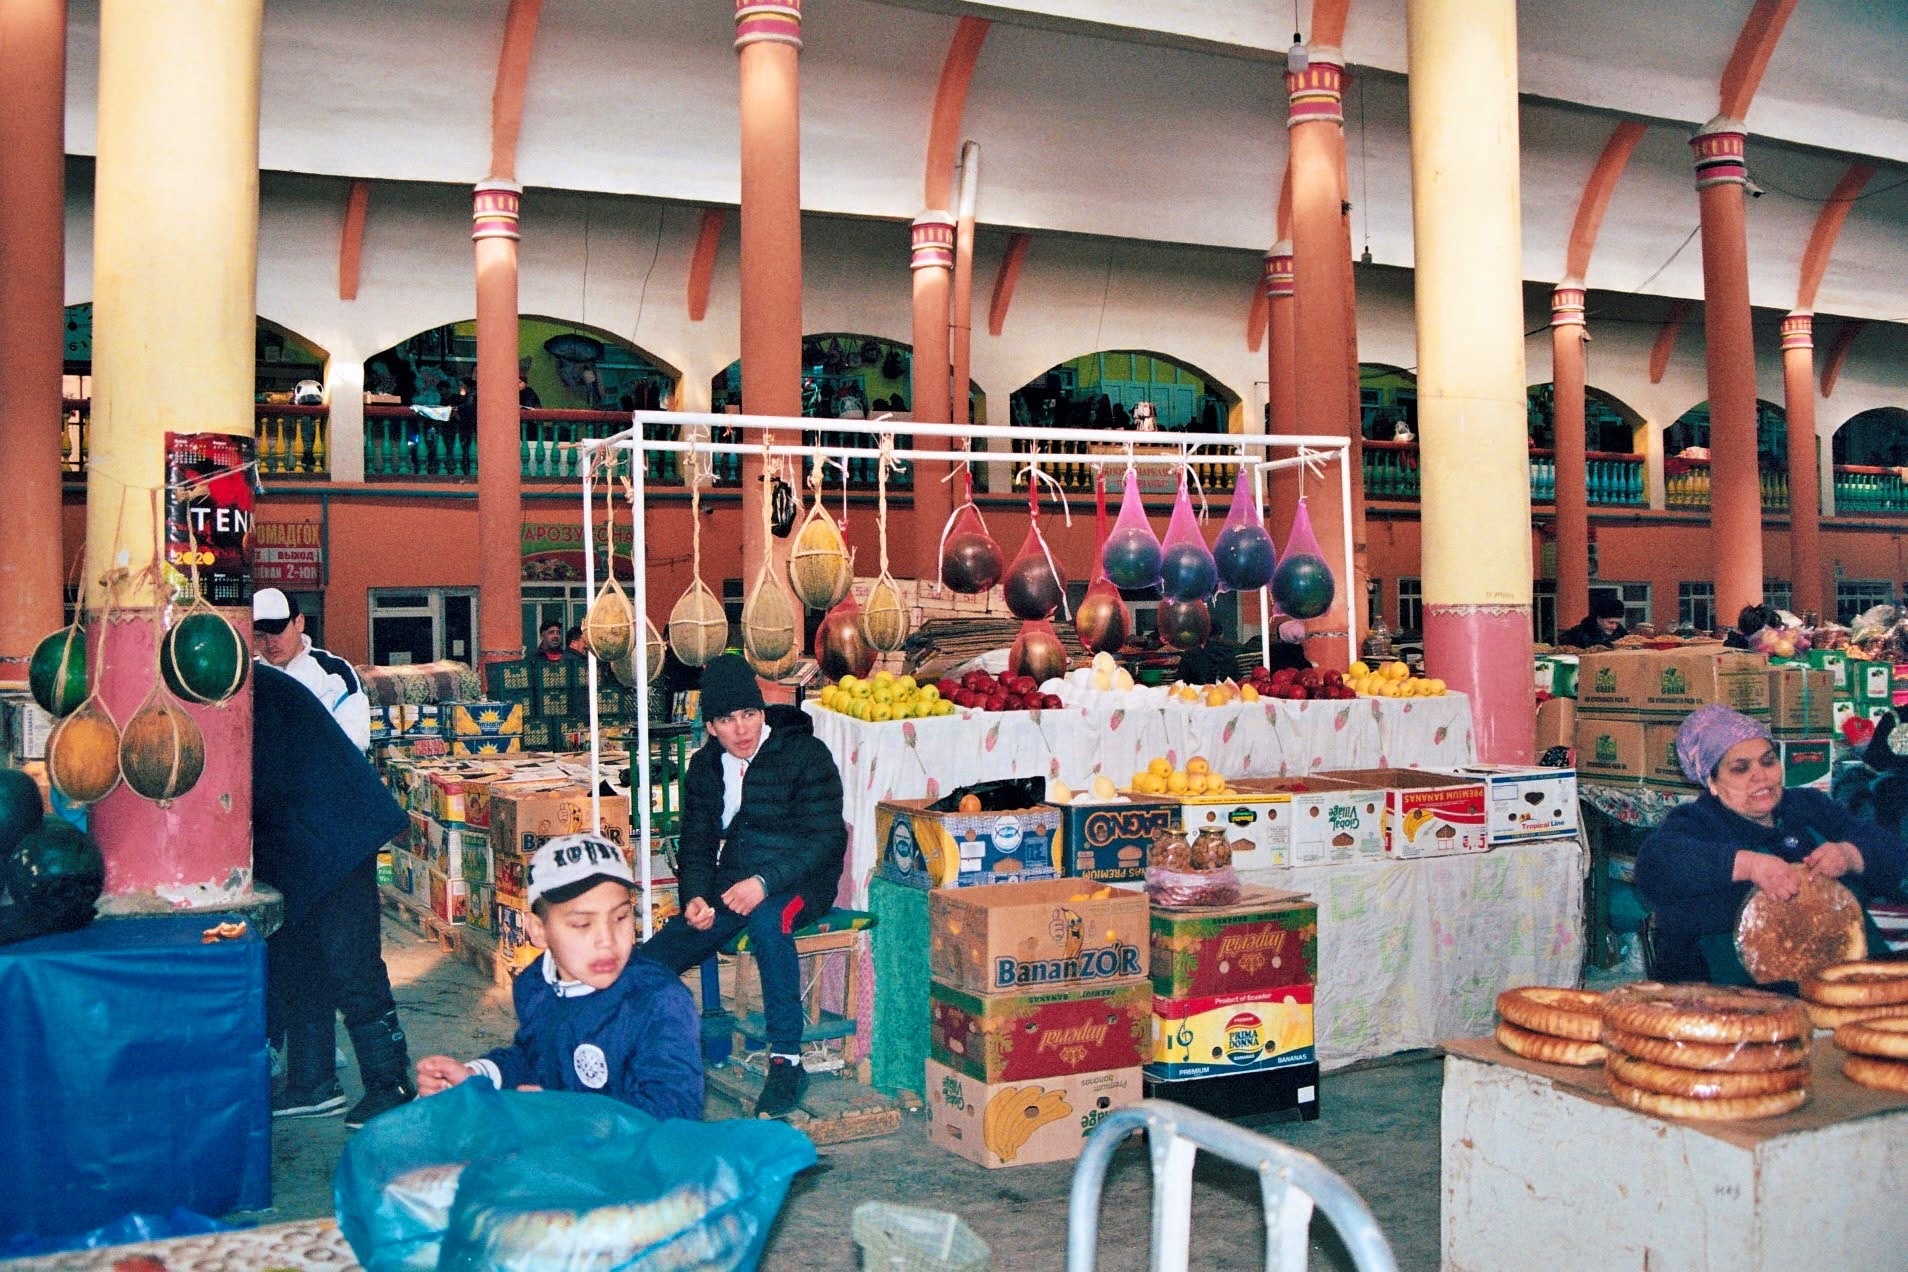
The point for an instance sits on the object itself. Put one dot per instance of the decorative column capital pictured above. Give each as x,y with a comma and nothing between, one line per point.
1566,304
1279,274
495,210
1318,92
1798,330
931,241
1721,153
768,22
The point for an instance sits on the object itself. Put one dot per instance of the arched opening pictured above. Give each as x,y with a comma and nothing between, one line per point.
1609,425
1691,430
1387,402
1876,438
573,382
1103,390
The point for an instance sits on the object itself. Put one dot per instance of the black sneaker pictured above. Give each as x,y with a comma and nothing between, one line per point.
323,1100
378,1100
783,1089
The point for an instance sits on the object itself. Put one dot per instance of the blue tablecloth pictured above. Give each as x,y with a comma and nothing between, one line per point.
134,1075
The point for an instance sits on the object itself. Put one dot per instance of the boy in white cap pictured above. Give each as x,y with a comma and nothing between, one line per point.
278,631
589,1017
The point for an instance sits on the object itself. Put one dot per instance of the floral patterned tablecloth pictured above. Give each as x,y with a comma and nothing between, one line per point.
923,759
1410,952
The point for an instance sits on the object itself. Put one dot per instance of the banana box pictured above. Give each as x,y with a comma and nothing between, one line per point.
1027,938
484,774
514,949
509,745
1231,1033
1111,841
481,911
474,857
1526,803
1322,821
1428,814
484,719
1016,1038
450,898
385,867
1267,938
925,849
1022,1123
524,814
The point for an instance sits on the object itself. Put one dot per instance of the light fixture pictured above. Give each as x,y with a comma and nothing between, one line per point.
1364,257
1297,58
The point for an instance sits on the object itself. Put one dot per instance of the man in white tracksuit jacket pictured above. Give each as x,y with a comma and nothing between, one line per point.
279,628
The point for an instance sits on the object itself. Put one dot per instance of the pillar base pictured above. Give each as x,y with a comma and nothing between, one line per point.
1484,651
262,906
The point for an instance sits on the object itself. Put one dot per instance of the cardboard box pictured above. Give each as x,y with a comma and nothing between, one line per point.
487,746
1427,814
1801,702
513,935
510,875
1258,825
1112,841
1612,748
1672,682
450,898
1843,710
1016,937
1526,803
926,849
1807,762
481,910
1661,767
524,814
1557,674
987,1124
1871,682
1268,938
483,719
26,728
473,864
1329,819
1254,1093
1017,1038
1556,724
1231,1033
384,868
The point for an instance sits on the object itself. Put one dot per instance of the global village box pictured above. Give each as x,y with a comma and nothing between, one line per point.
1015,1038
1021,1124
1333,819
1266,939
1526,803
927,849
1427,814
1009,937
1231,1033
1111,841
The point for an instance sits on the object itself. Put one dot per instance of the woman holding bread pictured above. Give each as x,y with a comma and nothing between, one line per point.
1745,831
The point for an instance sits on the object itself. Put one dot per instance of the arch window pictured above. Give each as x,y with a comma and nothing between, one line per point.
1106,390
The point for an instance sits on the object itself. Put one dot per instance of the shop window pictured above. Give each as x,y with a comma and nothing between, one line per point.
1853,596
420,625
1696,605
1779,593
1410,605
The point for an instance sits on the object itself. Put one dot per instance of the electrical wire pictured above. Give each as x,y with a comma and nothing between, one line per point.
1764,183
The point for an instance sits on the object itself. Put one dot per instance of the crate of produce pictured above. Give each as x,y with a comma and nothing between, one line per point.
1672,682
1615,748
524,814
1023,937
1266,939
1427,814
1110,841
504,679
1526,803
1019,1037
1022,1123
1255,1092
483,719
1322,820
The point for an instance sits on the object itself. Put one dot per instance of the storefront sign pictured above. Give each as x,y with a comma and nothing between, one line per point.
553,550
209,489
287,554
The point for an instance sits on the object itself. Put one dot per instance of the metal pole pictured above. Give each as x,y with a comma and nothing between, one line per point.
589,590
639,631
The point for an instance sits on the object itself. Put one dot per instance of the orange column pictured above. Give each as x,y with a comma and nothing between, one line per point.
495,211
931,259
32,138
1805,500
1281,380
1325,336
768,43
1567,337
1735,488
961,327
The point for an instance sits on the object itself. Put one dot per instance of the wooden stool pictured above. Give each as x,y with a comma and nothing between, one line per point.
835,933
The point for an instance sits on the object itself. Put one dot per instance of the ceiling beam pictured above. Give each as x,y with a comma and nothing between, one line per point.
1005,281
1828,227
1666,338
1754,45
513,74
351,238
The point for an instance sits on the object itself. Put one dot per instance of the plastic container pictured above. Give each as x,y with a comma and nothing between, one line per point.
897,1238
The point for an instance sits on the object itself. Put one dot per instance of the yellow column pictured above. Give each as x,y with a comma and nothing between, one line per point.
175,246
1471,405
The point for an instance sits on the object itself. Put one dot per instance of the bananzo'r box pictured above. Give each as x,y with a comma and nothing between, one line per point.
1111,841
925,849
1016,1038
1231,1033
1019,1124
524,814
1009,938
1267,938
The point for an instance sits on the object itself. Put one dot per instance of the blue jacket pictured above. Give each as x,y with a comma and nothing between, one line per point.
638,1041
1683,869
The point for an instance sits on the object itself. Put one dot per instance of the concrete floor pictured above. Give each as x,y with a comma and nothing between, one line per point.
1379,1128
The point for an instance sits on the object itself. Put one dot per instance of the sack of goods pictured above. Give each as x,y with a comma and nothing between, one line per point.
1705,1052
1867,1006
1555,1026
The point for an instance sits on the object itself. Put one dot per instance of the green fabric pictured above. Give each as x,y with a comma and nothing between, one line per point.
899,1046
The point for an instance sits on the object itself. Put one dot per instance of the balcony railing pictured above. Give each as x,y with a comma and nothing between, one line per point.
1686,485
1867,491
1073,464
293,441
1616,481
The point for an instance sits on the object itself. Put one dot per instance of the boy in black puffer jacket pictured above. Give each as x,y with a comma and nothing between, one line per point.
762,848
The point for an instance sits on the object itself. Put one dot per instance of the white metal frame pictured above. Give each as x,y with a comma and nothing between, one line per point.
1308,451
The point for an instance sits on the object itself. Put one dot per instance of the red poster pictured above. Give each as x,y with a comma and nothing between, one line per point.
209,490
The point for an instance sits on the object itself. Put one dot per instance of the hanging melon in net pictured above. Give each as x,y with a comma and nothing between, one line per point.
1303,584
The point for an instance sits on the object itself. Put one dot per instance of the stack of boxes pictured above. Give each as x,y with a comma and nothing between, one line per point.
1041,1016
923,848
555,699
522,814
1630,703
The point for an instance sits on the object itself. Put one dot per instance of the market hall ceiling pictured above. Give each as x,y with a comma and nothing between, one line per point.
1142,119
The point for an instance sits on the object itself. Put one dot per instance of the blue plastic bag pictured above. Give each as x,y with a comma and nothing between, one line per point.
480,1178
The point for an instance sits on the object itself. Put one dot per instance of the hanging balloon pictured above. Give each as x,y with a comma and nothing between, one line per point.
1130,555
82,754
1038,652
1303,585
1187,571
1184,624
971,562
1243,550
57,674
1101,619
839,648
203,659
161,752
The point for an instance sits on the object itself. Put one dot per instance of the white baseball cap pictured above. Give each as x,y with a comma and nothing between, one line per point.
272,610
567,866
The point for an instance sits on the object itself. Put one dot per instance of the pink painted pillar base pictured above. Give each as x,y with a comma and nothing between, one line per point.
1484,651
196,852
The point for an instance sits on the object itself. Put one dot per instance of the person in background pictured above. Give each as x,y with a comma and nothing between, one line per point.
551,642
574,642
1209,663
1751,620
527,396
278,632
1602,626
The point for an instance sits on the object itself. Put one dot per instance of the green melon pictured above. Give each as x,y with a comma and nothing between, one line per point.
20,808
56,873
203,659
58,671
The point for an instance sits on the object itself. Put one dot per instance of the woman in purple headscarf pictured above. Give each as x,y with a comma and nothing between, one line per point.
1746,830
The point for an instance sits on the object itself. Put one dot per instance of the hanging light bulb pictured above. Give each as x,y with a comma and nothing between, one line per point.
1296,57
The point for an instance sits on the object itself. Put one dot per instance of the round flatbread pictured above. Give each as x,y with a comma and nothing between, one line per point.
1746,1109
1787,940
1711,1057
1835,1017
1885,1038
1882,1075
1561,1013
1548,1048
1864,984
1703,1013
1667,1080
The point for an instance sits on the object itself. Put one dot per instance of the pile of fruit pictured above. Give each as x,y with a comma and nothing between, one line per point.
1393,680
1107,676
1102,791
1294,684
983,692
885,696
1159,777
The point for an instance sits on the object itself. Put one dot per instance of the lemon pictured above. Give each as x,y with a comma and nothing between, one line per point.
1176,783
1198,764
1248,694
1396,671
880,711
906,684
1159,764
928,693
884,677
1154,784
1358,671
882,693
861,689
903,710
